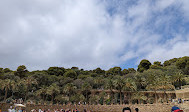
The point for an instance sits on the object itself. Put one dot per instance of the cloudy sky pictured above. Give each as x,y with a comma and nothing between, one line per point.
91,33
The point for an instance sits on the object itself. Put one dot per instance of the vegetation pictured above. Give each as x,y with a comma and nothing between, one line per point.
73,85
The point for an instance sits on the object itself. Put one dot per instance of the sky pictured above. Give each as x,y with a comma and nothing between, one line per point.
92,33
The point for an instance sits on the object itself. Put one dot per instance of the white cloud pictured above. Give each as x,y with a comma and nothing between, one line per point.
83,33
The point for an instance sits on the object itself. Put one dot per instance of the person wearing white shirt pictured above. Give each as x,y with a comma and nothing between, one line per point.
10,109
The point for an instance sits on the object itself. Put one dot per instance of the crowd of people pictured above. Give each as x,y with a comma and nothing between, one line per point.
126,109
58,110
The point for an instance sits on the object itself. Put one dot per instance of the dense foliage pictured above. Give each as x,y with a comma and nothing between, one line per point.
61,85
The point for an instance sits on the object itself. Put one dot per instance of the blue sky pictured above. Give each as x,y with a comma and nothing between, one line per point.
92,33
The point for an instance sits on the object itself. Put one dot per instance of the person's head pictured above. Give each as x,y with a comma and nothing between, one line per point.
126,109
136,109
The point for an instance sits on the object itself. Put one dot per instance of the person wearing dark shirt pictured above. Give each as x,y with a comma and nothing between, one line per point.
126,109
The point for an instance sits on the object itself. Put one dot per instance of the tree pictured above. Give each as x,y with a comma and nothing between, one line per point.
53,89
21,71
1,72
99,82
6,85
28,82
110,85
178,77
119,85
165,84
69,89
56,71
131,70
71,74
42,91
139,96
170,62
130,85
153,80
114,71
6,70
99,71
156,65
144,65
125,72
86,88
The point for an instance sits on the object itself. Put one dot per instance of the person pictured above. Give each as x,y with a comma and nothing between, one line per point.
14,109
10,109
76,110
20,110
126,109
136,109
176,109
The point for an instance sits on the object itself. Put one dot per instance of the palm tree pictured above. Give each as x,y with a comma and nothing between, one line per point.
28,82
110,85
165,84
14,87
119,85
140,80
86,87
99,82
139,96
42,91
153,84
51,90
94,99
69,89
6,85
130,85
178,77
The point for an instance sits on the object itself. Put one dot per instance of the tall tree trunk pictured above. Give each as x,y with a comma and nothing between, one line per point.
165,95
112,95
52,96
6,91
26,95
27,92
156,96
180,84
120,97
12,94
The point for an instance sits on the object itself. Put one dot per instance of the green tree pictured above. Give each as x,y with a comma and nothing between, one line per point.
6,70
178,77
119,83
144,65
28,82
110,85
56,71
21,71
165,84
71,74
125,72
69,89
99,71
6,85
139,96
53,89
131,70
153,80
86,88
42,91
